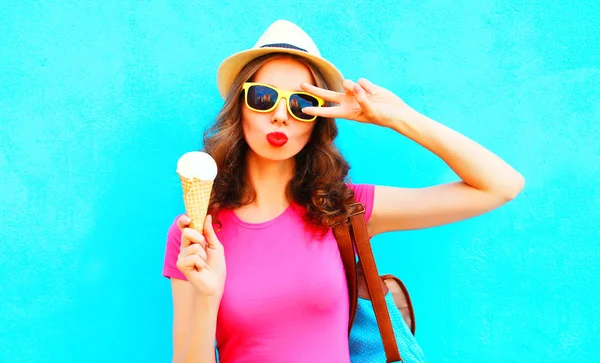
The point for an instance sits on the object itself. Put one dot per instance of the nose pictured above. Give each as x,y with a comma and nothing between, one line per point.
280,114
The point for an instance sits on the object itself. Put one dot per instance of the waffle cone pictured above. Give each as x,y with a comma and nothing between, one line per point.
196,197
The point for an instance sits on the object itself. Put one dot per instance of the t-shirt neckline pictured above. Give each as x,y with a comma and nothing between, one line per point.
260,225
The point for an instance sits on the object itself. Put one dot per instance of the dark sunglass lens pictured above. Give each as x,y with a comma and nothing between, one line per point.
299,101
261,97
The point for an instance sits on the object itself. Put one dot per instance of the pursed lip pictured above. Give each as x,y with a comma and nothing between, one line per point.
277,139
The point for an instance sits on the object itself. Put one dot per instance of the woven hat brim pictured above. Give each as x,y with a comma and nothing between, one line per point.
231,67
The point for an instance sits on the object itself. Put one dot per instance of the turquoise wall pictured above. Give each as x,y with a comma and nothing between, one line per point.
99,99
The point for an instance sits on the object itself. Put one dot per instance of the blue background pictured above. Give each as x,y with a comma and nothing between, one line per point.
99,99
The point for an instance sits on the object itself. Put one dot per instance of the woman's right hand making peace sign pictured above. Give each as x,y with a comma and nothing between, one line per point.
201,258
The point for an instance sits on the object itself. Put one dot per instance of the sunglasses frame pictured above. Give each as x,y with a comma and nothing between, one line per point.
280,94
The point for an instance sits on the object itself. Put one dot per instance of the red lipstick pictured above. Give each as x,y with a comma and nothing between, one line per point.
277,139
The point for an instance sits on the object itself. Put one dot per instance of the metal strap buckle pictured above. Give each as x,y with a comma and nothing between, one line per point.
360,209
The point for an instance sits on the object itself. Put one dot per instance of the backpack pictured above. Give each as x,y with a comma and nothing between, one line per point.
382,318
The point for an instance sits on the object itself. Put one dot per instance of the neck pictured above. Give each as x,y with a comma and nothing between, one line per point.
269,180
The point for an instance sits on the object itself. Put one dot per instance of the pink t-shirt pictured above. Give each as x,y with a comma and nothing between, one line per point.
285,297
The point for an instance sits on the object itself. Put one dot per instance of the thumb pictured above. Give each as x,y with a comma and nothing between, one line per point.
212,241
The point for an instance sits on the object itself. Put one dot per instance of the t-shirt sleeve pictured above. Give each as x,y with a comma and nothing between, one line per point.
365,194
171,252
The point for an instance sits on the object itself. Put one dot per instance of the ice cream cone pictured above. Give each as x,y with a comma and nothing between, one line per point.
196,197
197,171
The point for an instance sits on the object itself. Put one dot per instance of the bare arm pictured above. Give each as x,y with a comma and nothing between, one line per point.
194,324
196,301
487,182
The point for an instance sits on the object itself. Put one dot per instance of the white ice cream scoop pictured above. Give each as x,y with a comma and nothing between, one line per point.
198,165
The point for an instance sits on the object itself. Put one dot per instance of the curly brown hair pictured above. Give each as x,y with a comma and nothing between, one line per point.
319,182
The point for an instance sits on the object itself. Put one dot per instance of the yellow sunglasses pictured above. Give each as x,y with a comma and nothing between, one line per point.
262,97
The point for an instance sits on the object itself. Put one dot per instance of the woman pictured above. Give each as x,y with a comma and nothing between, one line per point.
269,284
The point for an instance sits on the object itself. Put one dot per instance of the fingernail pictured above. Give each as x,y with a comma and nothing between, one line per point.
358,89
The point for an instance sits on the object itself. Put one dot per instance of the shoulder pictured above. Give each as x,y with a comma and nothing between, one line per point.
364,194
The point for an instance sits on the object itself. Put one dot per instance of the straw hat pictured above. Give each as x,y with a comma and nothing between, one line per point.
280,37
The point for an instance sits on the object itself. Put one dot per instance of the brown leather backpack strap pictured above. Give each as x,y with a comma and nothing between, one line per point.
346,247
367,261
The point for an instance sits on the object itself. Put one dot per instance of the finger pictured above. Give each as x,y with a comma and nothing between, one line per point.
331,112
196,249
210,235
363,101
327,95
368,86
185,242
186,263
183,222
349,87
194,261
192,236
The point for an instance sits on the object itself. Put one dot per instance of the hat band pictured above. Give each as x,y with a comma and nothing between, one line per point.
283,45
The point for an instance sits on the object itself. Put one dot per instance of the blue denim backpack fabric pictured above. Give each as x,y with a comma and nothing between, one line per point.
365,341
